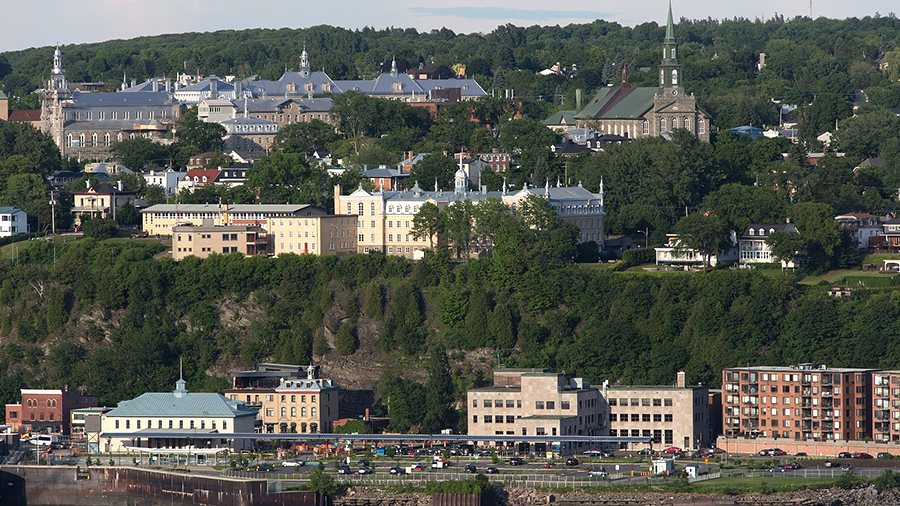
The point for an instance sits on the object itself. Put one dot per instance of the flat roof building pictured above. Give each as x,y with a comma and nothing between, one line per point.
204,240
536,402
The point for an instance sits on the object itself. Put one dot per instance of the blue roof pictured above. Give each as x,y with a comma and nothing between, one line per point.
114,99
182,403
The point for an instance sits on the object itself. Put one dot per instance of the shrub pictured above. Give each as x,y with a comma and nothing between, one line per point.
848,481
639,256
887,480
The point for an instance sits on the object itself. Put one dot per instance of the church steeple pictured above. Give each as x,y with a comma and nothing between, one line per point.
58,74
304,62
669,69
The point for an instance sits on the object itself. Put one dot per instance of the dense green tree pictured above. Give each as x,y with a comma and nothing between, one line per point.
373,305
704,232
140,153
434,169
194,136
438,393
345,342
305,137
477,325
287,178
428,222
454,307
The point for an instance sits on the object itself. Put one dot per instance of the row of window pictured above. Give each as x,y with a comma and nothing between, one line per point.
114,115
33,403
643,401
15,415
270,412
193,425
666,436
641,417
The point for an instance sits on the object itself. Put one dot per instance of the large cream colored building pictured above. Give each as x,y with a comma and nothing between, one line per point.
301,405
176,420
159,219
671,415
318,235
386,218
536,402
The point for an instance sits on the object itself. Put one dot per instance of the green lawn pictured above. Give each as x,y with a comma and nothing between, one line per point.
838,275
765,484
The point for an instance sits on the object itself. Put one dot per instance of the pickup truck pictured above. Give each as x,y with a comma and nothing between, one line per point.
440,464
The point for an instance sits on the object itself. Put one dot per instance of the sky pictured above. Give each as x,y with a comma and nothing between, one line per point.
79,21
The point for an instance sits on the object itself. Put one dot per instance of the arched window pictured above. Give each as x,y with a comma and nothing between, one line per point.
48,403
360,208
293,397
673,53
349,208
94,140
68,140
293,412
662,124
687,124
283,412
371,209
106,140
312,411
81,141
701,126
202,424
645,128
303,411
674,123
674,76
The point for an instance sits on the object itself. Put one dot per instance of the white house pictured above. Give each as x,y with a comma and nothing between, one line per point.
167,179
753,247
675,253
13,221
178,420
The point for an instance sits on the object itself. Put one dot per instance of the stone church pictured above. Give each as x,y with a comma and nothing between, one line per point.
635,112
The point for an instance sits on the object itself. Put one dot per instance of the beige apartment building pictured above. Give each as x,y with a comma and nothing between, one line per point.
536,402
301,405
204,240
671,415
161,218
317,235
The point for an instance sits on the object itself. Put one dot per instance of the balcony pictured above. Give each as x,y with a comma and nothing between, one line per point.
826,393
805,414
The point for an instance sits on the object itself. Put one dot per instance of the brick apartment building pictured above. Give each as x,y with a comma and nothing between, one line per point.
803,402
46,411
886,406
672,415
536,402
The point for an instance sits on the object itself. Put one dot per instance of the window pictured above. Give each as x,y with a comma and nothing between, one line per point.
657,402
117,424
538,404
474,403
701,126
645,401
667,402
657,417
564,405
634,401
635,417
474,418
488,419
668,417
645,127
551,405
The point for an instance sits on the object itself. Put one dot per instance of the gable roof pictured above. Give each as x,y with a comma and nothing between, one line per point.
25,115
622,102
560,118
767,228
211,175
182,403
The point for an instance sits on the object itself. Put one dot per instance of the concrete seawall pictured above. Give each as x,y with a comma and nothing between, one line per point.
126,486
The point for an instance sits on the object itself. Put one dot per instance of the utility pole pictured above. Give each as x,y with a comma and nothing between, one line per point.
53,211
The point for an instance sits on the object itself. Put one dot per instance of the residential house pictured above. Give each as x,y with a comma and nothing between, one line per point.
101,201
234,174
671,415
536,402
385,179
13,221
46,411
195,178
30,116
862,227
165,178
177,420
677,254
754,248
206,239
890,236
251,386
202,160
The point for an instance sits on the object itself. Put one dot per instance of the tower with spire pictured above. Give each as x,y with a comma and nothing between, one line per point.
304,62
669,69
56,93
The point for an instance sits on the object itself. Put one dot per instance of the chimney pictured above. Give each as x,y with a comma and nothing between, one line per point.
367,415
120,185
155,84
213,88
680,379
578,100
787,220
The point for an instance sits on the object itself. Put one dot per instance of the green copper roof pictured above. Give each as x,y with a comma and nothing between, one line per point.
560,118
3,96
619,103
670,27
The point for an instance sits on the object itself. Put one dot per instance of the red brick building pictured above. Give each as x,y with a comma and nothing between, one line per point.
46,411
801,402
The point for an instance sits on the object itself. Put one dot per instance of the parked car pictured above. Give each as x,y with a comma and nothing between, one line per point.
646,452
515,461
418,467
470,469
793,465
344,470
260,468
293,463
861,455
844,455
598,473
800,454
572,461
884,455
593,452
846,467
764,452
363,463
397,470
779,467
777,452
492,470
365,470
672,450
829,463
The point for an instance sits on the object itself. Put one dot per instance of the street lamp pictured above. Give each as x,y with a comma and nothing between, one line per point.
646,233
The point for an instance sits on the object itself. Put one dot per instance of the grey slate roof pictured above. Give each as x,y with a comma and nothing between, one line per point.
150,98
205,85
766,228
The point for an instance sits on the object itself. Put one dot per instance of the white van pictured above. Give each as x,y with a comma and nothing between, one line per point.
44,439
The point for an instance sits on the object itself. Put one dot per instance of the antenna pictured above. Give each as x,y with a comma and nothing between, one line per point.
181,368
810,9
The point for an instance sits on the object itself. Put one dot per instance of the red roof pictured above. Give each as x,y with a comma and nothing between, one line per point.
25,115
210,174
